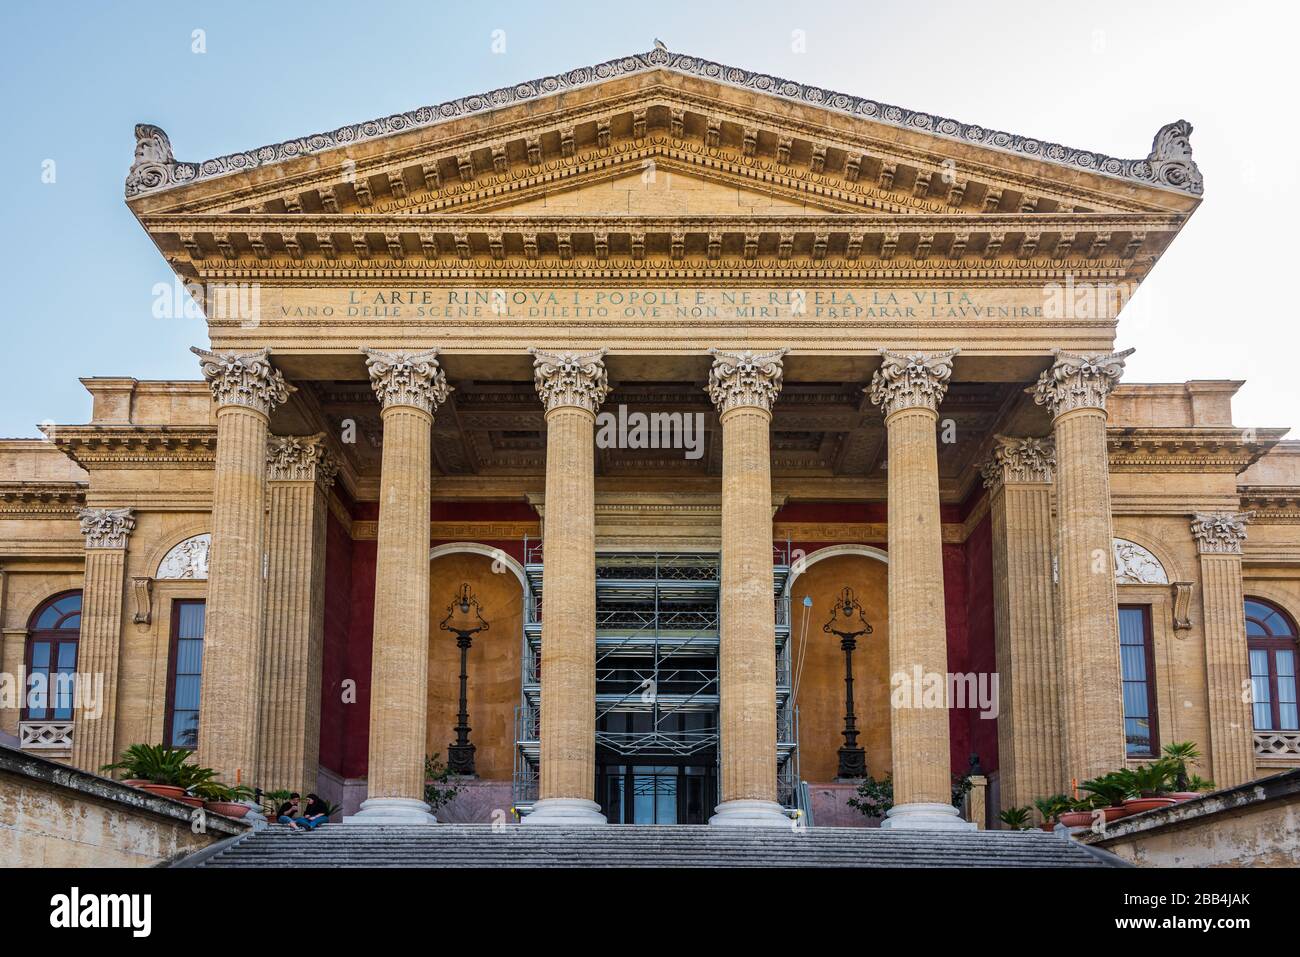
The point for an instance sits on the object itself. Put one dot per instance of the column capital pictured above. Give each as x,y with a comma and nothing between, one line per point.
1019,461
412,379
300,458
1078,381
107,527
244,379
570,378
745,379
913,380
1220,533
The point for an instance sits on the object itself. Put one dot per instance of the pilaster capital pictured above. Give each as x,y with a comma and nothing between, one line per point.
745,379
244,379
1020,461
570,378
1078,381
915,380
106,527
1220,533
300,458
412,379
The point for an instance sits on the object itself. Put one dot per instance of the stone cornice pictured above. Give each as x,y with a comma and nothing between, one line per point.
1272,504
107,527
243,379
1078,381
1187,449
915,380
1220,533
300,458
1020,461
27,500
745,379
137,446
1168,166
570,378
413,379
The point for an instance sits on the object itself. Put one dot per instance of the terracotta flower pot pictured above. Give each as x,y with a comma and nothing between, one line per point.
135,782
1138,805
190,799
163,790
1184,795
227,808
1115,812
1076,819
1047,825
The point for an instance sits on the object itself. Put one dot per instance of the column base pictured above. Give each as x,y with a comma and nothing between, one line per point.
392,811
565,811
925,817
750,814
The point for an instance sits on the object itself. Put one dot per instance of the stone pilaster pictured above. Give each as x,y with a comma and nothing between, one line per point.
1074,391
1019,480
909,388
300,472
571,386
410,387
1227,661
743,387
246,389
99,647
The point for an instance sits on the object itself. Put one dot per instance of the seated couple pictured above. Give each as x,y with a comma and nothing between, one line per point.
315,814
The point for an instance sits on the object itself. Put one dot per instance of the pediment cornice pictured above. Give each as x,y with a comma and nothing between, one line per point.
1168,169
130,446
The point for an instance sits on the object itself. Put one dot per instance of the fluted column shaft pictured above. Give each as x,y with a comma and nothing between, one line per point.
1227,656
1075,391
568,719
747,652
298,477
1029,722
99,645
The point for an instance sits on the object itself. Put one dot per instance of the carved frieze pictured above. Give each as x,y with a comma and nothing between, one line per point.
739,379
407,378
1020,460
1220,533
106,527
1078,381
915,380
187,559
570,378
1135,565
245,379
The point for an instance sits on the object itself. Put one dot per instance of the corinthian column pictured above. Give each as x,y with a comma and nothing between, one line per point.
299,473
410,387
1227,659
1074,391
246,388
743,386
908,389
1019,480
99,646
572,386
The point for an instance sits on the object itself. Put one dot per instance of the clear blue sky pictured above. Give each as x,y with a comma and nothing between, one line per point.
76,77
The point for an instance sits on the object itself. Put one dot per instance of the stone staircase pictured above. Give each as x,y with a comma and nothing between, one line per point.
485,845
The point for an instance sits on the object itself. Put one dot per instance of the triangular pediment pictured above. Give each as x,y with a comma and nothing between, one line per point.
772,138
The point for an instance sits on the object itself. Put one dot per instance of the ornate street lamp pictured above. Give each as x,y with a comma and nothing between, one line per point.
465,618
848,623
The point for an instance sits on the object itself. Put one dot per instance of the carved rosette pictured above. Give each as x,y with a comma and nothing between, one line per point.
1078,381
106,527
1020,460
916,380
745,379
1220,533
570,378
244,379
412,379
300,458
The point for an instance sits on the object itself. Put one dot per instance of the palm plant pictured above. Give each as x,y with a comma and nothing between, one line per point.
211,790
1052,807
1150,780
1182,754
1109,790
159,764
1016,818
1198,783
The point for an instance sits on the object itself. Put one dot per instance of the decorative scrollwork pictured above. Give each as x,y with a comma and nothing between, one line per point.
745,379
912,380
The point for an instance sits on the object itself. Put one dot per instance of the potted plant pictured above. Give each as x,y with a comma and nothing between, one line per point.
224,799
1182,755
271,801
1016,818
1148,786
1080,813
1108,793
1051,808
1200,785
160,770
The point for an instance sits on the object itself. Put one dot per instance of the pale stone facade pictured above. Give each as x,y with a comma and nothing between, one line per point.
898,334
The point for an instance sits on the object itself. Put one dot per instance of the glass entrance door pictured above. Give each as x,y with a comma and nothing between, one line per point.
655,794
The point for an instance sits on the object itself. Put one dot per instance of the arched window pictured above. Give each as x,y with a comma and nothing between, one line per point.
52,634
1271,639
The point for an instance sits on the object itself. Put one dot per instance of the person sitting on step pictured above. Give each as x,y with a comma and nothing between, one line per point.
316,814
287,813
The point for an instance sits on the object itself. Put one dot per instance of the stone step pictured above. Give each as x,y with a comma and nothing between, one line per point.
484,845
